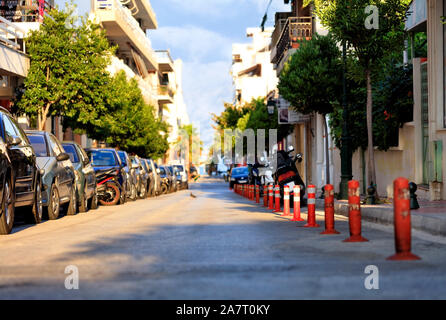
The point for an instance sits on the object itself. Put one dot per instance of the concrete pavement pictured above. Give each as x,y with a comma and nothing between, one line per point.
215,246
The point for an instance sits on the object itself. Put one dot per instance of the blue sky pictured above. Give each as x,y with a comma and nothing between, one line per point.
201,33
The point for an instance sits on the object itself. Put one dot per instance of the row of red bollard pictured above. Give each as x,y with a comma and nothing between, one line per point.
402,218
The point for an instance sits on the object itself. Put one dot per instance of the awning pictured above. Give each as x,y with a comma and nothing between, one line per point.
253,71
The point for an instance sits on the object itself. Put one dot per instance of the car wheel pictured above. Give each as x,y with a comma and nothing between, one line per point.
53,203
133,193
37,209
164,189
112,195
72,205
143,192
83,207
123,196
7,208
94,202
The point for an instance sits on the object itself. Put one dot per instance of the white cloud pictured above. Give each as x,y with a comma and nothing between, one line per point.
224,7
193,43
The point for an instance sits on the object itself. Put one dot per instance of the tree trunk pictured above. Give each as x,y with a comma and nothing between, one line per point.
43,116
371,173
327,152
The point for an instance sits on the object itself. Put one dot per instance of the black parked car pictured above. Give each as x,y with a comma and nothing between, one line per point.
166,180
59,179
108,167
23,176
6,188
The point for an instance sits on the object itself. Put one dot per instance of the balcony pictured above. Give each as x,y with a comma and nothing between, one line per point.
122,29
27,11
287,34
13,60
165,95
146,14
165,62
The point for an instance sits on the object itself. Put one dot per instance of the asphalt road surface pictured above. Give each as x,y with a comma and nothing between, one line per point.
215,246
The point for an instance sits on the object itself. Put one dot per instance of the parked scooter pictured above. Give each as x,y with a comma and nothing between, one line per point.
287,173
109,188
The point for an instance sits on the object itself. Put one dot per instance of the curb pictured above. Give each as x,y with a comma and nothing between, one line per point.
384,215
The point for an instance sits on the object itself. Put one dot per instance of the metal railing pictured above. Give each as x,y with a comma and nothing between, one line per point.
163,54
294,29
10,35
164,90
27,11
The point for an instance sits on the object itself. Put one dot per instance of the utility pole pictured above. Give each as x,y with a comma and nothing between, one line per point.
346,151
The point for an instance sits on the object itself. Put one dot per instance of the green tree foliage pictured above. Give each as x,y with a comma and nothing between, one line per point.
346,20
67,71
130,124
312,79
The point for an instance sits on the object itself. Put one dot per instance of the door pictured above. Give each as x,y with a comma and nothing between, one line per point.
23,160
88,171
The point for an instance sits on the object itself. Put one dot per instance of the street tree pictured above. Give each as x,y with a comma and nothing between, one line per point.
67,72
312,80
372,29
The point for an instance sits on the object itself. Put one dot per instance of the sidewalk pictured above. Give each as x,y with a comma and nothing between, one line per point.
430,218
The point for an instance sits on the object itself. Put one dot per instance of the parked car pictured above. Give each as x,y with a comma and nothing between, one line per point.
23,178
166,180
59,179
183,176
156,179
239,175
86,190
132,181
110,176
142,176
175,182
6,189
151,177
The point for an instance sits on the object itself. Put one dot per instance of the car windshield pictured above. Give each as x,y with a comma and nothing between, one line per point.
237,171
103,158
122,157
69,148
39,145
179,168
135,161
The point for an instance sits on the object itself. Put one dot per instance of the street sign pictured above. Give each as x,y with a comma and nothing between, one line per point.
290,116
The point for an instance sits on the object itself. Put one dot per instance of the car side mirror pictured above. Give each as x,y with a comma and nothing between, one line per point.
13,141
86,162
290,149
62,157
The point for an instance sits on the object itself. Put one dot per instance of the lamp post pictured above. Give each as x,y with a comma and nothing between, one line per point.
346,151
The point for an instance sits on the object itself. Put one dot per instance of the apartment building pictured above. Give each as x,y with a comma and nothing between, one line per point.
309,134
252,72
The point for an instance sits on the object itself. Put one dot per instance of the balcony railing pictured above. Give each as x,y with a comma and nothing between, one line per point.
125,15
165,90
294,29
10,34
27,11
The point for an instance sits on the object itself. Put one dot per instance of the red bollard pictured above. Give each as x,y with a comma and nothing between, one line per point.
311,208
402,220
354,215
243,190
329,210
250,192
271,197
286,202
265,196
257,193
277,199
296,198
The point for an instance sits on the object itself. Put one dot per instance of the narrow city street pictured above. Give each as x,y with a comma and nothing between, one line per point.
212,244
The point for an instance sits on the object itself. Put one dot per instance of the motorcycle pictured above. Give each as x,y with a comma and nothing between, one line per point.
109,188
287,173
